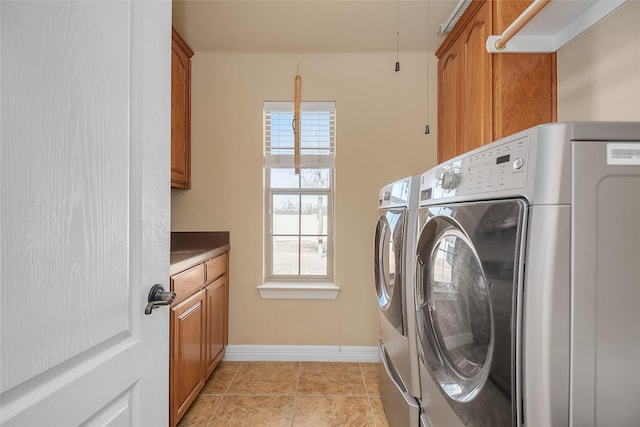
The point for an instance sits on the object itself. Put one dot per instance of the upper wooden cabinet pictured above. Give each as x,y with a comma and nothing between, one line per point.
181,55
450,68
481,96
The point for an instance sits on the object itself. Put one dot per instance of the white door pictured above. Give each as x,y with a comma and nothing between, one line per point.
85,200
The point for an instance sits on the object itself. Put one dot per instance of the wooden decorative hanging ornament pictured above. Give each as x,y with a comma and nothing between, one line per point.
296,122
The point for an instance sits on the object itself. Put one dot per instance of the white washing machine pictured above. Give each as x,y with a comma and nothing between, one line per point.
394,245
528,280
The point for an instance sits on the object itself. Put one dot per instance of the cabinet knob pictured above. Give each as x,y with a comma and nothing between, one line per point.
157,297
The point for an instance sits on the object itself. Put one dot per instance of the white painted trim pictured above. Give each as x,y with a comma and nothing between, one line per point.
299,290
555,25
301,353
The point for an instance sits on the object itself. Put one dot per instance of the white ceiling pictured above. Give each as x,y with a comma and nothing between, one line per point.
316,26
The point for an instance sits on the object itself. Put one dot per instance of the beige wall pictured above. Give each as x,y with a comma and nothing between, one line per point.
599,72
380,138
380,119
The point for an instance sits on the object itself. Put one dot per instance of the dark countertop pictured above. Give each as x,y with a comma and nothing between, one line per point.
189,248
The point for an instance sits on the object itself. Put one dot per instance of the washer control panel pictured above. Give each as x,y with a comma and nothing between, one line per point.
494,168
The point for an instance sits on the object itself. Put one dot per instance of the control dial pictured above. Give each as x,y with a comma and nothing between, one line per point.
447,178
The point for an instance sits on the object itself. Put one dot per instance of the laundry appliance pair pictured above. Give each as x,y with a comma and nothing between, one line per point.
523,284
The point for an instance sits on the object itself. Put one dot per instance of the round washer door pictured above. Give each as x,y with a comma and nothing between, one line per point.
388,266
384,266
454,314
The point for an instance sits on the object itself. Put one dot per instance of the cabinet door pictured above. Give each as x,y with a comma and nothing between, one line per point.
450,108
524,84
216,307
525,92
188,352
478,99
180,113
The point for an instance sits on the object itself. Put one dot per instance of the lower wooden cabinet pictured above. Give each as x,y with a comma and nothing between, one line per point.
216,297
188,350
199,330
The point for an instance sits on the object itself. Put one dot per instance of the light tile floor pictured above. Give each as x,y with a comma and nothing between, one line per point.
310,394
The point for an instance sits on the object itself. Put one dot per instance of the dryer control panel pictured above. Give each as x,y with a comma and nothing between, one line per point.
495,167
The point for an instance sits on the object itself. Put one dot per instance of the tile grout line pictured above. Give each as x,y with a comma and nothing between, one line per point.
295,394
235,374
224,394
366,390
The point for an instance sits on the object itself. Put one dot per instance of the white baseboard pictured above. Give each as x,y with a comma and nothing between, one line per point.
301,353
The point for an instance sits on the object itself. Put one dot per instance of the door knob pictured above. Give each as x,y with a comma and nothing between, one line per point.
157,297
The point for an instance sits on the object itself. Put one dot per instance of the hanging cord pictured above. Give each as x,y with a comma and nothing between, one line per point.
426,126
397,35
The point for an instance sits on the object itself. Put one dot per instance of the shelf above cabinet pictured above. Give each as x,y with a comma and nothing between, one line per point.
555,25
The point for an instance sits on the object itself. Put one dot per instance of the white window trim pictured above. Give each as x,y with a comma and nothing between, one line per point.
299,290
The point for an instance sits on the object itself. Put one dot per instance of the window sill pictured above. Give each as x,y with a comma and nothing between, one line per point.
299,290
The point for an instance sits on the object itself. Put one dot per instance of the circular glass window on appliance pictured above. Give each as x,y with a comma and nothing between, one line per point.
384,262
459,308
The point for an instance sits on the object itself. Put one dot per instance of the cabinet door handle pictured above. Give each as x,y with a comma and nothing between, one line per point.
157,297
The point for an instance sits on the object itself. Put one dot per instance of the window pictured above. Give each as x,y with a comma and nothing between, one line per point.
299,207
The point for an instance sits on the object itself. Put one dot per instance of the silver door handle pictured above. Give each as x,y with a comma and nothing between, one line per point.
157,297
419,289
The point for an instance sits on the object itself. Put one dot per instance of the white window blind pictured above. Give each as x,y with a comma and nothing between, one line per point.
317,134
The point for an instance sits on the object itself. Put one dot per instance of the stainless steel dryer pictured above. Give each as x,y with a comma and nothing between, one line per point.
393,270
527,280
